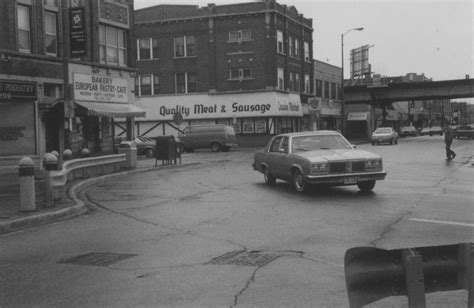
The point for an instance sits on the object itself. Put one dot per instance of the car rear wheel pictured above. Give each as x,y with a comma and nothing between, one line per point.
366,186
373,143
149,153
299,181
269,179
215,147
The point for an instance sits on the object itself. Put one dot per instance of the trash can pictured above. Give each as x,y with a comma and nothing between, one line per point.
165,149
129,148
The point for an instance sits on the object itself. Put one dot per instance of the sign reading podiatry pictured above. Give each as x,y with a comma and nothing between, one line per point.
100,88
17,90
206,106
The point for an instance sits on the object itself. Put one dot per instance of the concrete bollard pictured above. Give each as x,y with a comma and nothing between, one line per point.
85,152
50,163
67,154
55,153
26,172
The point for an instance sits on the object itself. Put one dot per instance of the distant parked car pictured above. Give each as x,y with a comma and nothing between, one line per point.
436,130
217,137
384,135
145,145
408,131
465,131
425,131
321,157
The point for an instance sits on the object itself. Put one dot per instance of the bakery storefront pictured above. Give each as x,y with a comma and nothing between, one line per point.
255,116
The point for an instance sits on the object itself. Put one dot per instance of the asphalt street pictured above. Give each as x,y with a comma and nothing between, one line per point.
213,234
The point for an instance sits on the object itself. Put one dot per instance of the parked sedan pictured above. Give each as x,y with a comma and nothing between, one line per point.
408,131
384,135
436,130
465,131
145,145
321,157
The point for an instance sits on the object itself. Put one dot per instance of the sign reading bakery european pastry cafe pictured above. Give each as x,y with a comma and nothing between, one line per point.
97,88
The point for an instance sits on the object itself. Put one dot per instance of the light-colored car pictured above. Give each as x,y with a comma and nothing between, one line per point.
425,131
320,157
384,135
436,130
217,137
408,131
464,131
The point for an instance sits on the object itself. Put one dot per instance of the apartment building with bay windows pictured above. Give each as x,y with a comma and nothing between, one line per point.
248,65
67,71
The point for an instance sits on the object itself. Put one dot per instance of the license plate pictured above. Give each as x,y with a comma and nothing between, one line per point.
351,180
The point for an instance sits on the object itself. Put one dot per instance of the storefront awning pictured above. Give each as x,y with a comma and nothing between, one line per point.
49,102
112,109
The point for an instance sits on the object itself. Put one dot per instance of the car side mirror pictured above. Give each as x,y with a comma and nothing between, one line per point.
283,151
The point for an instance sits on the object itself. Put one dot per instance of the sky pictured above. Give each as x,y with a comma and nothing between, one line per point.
431,37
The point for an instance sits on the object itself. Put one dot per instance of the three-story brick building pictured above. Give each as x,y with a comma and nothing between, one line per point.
249,65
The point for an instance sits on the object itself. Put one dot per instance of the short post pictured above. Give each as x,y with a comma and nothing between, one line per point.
50,163
415,283
26,172
85,152
67,154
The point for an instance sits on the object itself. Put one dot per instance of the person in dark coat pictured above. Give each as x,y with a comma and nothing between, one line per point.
448,139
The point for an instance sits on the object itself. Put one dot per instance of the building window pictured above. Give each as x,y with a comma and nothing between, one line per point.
147,49
306,52
292,82
333,90
24,39
307,88
281,78
50,38
186,83
184,46
280,42
240,73
241,35
290,47
112,45
326,89
297,48
143,85
297,82
319,88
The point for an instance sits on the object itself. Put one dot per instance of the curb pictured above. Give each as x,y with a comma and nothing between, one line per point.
79,206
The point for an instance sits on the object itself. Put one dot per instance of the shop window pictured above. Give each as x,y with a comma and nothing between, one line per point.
326,89
112,48
147,48
261,126
184,46
240,35
281,78
248,126
280,48
50,37
24,31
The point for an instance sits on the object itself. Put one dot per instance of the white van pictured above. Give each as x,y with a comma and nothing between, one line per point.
217,137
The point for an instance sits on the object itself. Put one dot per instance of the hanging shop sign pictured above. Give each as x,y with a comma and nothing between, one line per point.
77,32
17,90
100,88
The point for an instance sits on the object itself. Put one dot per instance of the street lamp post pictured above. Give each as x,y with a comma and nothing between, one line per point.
343,120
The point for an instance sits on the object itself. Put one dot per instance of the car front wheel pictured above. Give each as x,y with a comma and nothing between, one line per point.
215,147
299,181
366,186
269,179
149,153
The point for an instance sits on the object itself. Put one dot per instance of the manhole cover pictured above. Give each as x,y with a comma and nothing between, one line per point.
97,259
246,258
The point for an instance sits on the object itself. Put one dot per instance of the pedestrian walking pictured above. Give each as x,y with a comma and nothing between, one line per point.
448,140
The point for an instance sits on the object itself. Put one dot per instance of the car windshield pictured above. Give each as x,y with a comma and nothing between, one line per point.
383,131
318,142
408,128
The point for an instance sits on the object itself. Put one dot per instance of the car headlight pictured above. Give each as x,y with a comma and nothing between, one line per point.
319,168
375,164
